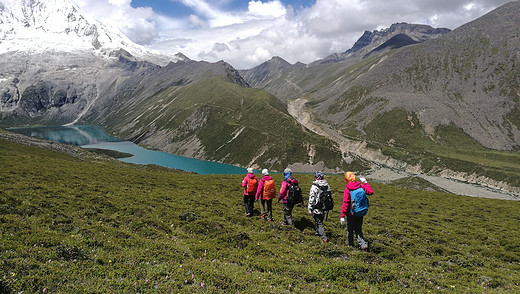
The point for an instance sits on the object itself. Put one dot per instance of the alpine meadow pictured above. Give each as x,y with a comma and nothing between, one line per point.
429,116
79,222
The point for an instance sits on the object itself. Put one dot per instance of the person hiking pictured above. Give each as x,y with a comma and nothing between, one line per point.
319,185
289,202
265,193
250,184
355,206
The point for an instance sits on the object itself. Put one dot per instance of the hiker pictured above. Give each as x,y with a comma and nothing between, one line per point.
289,202
250,184
355,206
266,193
316,210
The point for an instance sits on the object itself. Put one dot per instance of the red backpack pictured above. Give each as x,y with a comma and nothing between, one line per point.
252,185
269,191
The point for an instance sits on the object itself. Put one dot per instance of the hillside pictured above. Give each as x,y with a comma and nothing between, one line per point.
86,224
444,106
218,120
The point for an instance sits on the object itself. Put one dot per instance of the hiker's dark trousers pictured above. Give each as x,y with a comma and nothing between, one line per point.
320,231
287,214
267,209
355,225
249,202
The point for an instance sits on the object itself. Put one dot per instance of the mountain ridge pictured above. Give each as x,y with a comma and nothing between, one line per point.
283,82
370,40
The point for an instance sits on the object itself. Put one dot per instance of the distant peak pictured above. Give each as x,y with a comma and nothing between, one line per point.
182,57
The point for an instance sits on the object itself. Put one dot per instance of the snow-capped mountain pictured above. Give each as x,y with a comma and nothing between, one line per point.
57,66
37,26
56,63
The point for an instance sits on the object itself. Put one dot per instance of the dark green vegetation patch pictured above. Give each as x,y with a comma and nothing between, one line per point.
71,225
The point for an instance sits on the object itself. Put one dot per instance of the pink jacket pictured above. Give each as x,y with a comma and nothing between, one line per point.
260,190
246,181
345,209
284,191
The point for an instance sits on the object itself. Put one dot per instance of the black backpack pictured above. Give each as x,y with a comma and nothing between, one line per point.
325,201
294,195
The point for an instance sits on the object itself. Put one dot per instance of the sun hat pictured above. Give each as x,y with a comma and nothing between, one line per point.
350,177
319,175
249,170
265,172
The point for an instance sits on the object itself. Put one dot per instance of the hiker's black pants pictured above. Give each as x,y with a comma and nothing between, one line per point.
355,225
267,209
249,202
320,231
287,214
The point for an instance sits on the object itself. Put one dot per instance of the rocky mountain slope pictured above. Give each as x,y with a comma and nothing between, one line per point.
401,34
469,78
436,106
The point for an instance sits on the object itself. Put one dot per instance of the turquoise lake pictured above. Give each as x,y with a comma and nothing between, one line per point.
95,137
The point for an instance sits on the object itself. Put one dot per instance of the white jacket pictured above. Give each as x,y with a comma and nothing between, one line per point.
313,195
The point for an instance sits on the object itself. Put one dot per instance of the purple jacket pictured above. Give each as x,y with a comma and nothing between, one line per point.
284,190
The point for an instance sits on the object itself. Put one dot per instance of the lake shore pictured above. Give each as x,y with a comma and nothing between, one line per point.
383,175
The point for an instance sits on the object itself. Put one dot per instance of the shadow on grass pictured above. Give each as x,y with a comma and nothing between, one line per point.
304,223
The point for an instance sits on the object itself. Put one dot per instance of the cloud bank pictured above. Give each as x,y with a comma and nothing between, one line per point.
247,37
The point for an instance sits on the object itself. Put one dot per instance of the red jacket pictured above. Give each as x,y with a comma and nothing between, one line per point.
284,191
246,180
345,209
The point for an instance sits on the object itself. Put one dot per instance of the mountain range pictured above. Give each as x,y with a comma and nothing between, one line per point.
410,97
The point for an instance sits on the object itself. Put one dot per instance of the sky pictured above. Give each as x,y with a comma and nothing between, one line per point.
246,33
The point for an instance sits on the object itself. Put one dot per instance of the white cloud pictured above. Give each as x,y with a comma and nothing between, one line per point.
137,23
214,16
270,28
272,8
198,22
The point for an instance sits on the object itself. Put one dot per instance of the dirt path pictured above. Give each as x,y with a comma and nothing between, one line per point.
386,169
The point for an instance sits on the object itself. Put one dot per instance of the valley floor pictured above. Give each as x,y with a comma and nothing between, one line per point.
386,175
398,170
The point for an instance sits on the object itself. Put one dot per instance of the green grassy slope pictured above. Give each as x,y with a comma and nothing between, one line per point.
399,134
71,225
233,125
